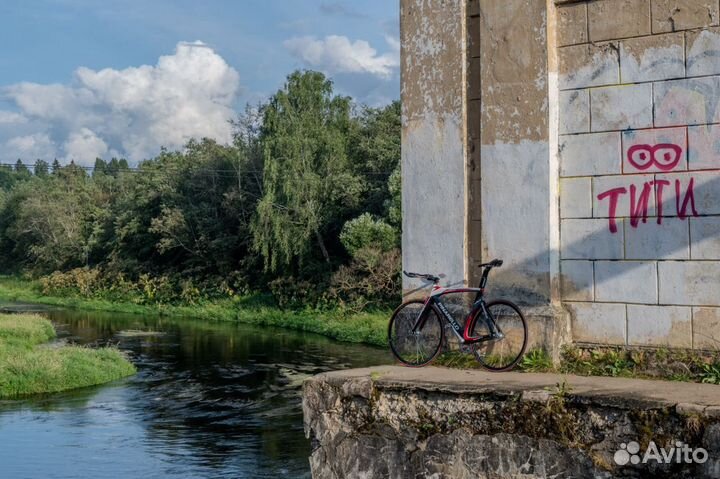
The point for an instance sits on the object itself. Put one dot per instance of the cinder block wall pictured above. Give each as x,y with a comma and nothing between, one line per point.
639,153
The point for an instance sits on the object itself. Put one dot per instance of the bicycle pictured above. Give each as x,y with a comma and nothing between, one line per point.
495,332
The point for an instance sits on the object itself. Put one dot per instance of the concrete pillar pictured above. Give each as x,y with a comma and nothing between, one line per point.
433,93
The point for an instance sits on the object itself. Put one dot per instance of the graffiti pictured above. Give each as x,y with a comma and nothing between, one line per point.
665,157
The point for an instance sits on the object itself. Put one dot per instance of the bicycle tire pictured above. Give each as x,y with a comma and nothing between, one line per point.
433,338
483,350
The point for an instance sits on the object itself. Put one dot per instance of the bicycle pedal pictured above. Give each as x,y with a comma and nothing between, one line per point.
466,348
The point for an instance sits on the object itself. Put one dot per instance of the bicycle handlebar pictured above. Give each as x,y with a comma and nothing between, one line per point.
428,277
496,263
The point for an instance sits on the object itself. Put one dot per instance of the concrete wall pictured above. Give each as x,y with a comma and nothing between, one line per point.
639,166
580,142
433,139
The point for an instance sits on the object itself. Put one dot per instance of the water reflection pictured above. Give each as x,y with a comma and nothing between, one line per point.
210,400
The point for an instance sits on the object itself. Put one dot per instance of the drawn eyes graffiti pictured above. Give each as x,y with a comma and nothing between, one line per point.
663,157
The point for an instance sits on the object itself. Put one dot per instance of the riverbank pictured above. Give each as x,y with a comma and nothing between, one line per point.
28,367
366,327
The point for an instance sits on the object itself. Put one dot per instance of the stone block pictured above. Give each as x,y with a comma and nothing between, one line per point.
704,147
574,111
691,283
590,154
576,280
705,238
703,50
674,15
598,322
705,195
659,326
572,24
575,198
602,184
686,102
588,65
706,329
589,239
612,19
669,240
654,158
621,107
626,282
657,57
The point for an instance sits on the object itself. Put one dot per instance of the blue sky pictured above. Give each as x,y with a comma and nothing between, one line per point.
85,77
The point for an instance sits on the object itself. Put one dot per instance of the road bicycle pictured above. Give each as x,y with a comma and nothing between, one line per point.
495,332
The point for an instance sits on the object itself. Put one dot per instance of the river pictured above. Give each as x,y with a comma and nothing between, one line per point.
210,400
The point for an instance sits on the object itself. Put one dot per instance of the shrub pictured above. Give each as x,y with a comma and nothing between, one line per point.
85,282
365,231
371,279
292,293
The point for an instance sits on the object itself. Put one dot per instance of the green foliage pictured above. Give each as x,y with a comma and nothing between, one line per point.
710,373
26,369
537,360
309,185
365,231
372,279
367,327
215,221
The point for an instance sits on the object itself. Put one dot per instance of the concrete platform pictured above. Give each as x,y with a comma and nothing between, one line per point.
398,422
606,390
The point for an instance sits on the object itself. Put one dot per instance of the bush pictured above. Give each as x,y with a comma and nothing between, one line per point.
292,293
366,231
85,282
371,279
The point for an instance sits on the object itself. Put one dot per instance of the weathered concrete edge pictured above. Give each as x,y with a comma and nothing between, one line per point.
620,393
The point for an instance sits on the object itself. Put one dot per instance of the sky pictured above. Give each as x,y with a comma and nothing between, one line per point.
81,79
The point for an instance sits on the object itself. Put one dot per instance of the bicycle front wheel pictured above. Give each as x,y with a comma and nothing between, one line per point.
415,348
501,354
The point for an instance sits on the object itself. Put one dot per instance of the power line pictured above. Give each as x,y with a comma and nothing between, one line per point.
135,169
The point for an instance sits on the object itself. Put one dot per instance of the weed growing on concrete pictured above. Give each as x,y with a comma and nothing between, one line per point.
536,361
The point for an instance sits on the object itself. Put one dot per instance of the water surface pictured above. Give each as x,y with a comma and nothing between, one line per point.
210,400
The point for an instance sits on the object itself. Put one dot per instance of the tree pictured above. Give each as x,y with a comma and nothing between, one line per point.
101,167
21,171
375,152
55,166
41,168
309,186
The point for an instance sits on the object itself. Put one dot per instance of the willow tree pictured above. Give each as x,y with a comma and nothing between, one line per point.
308,183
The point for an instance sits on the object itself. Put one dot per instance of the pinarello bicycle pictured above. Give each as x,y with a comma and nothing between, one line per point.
495,332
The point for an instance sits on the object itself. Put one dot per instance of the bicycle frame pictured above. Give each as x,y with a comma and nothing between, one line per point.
479,305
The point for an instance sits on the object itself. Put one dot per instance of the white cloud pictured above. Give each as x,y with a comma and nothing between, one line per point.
9,117
29,147
135,111
85,145
337,54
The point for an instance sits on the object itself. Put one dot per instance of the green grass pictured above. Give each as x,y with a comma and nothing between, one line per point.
27,367
366,327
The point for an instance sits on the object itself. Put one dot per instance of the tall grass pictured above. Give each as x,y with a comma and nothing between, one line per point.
369,327
28,367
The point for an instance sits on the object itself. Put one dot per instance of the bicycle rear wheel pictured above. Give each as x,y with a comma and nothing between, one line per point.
504,353
418,348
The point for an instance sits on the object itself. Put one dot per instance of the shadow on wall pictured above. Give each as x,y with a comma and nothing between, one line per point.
686,197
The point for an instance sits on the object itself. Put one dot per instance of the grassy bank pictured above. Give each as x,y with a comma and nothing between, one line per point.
366,327
27,367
